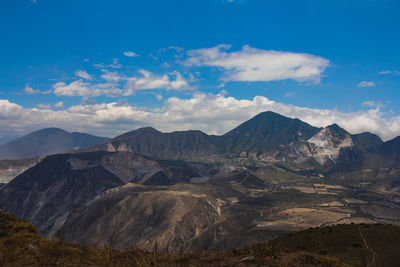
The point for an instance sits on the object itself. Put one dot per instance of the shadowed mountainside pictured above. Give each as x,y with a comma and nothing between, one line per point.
265,132
47,141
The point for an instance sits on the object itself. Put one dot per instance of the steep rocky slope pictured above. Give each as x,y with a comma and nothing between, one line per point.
46,193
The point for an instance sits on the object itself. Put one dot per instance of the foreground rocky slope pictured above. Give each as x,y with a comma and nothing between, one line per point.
339,245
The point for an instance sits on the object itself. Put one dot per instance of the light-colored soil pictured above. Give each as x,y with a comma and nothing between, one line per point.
302,218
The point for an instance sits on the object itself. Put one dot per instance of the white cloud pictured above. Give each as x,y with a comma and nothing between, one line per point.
44,106
111,76
115,64
252,64
159,97
393,72
151,81
30,91
130,54
114,81
99,66
373,104
83,74
59,104
366,84
214,114
80,88
223,92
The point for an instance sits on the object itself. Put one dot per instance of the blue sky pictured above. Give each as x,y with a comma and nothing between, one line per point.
106,67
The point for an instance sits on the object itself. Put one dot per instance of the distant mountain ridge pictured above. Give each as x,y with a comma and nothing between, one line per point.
266,131
47,141
268,136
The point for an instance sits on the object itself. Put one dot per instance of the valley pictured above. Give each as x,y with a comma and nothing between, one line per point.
259,181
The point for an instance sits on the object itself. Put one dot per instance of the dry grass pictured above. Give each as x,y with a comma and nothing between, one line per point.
20,245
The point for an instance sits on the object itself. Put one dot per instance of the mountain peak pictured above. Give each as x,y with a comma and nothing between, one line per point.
45,142
51,130
147,130
139,131
267,130
336,128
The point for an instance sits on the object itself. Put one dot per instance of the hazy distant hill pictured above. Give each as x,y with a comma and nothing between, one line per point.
47,141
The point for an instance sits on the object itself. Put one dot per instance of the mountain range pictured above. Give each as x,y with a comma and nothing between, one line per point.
187,190
267,137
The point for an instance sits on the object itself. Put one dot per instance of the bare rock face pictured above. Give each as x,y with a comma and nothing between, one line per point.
326,145
331,147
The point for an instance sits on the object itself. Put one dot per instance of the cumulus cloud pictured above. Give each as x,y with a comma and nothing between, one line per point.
252,64
171,81
30,91
366,84
59,104
114,81
111,76
81,88
83,74
373,104
130,54
214,114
